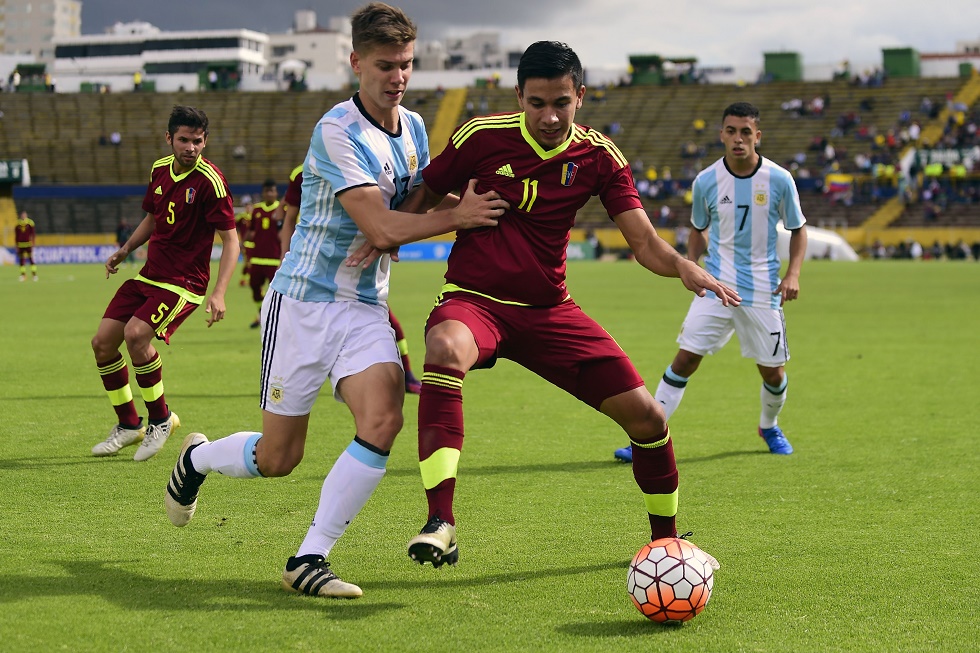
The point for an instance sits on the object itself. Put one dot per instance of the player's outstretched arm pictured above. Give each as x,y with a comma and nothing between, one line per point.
385,228
140,235
215,308
789,286
655,254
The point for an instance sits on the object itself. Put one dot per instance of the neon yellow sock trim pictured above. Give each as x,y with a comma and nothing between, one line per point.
402,346
152,393
120,397
442,464
663,505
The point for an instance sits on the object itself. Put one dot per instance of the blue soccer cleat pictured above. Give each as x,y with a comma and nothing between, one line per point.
776,440
624,455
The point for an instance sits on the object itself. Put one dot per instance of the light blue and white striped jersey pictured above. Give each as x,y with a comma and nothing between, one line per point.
348,150
741,214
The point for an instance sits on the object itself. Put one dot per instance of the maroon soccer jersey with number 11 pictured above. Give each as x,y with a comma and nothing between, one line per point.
523,258
187,208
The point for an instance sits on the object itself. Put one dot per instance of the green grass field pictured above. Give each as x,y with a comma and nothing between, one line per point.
865,539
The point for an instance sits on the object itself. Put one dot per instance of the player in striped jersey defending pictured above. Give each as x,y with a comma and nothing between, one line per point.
505,293
324,319
738,201
286,214
186,202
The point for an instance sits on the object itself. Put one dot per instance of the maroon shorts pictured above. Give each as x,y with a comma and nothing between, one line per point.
162,309
561,344
257,276
25,255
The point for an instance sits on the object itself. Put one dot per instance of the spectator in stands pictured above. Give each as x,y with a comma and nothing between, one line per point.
681,235
115,138
137,81
878,250
213,80
239,151
665,216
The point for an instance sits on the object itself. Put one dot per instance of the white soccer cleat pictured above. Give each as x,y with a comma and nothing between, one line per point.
181,497
435,543
311,574
156,436
119,437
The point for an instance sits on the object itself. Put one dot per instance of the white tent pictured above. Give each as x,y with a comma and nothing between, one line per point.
820,243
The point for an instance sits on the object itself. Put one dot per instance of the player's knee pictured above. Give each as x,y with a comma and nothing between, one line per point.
648,422
380,429
441,348
102,348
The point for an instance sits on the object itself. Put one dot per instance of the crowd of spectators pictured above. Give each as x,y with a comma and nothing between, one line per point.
912,249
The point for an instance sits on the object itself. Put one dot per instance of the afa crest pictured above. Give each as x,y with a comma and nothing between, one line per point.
761,198
276,393
413,163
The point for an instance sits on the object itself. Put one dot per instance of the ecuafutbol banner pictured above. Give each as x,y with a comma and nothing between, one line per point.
47,254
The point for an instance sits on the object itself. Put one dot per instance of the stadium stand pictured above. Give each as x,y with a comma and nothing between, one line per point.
675,127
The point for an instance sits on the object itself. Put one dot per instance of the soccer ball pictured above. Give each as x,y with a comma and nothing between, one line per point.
670,580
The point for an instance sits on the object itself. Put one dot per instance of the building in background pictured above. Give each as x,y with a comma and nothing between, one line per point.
310,55
167,60
30,27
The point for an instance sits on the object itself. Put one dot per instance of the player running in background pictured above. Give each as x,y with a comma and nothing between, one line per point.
24,234
738,201
242,221
325,320
263,234
186,202
287,213
505,293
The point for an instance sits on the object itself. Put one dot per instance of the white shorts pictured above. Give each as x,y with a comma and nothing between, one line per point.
709,326
306,343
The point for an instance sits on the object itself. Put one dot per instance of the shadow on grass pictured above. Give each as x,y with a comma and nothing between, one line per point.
89,397
130,590
446,579
40,462
623,628
571,467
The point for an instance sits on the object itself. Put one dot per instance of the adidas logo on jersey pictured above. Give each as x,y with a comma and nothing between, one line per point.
505,170
725,200
158,191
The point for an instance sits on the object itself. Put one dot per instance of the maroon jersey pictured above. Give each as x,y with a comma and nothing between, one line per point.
187,209
24,233
295,188
522,259
265,235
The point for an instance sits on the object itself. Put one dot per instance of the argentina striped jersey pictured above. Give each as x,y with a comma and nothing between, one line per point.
348,150
740,215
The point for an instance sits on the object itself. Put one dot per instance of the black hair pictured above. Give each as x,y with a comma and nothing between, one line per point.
741,110
549,60
183,116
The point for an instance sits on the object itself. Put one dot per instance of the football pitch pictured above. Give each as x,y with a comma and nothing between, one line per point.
865,539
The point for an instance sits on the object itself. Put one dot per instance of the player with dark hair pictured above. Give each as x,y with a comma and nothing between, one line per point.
186,202
325,320
263,234
505,293
24,235
738,202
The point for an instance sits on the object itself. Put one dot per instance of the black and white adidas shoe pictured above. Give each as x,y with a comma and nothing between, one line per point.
311,574
181,497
